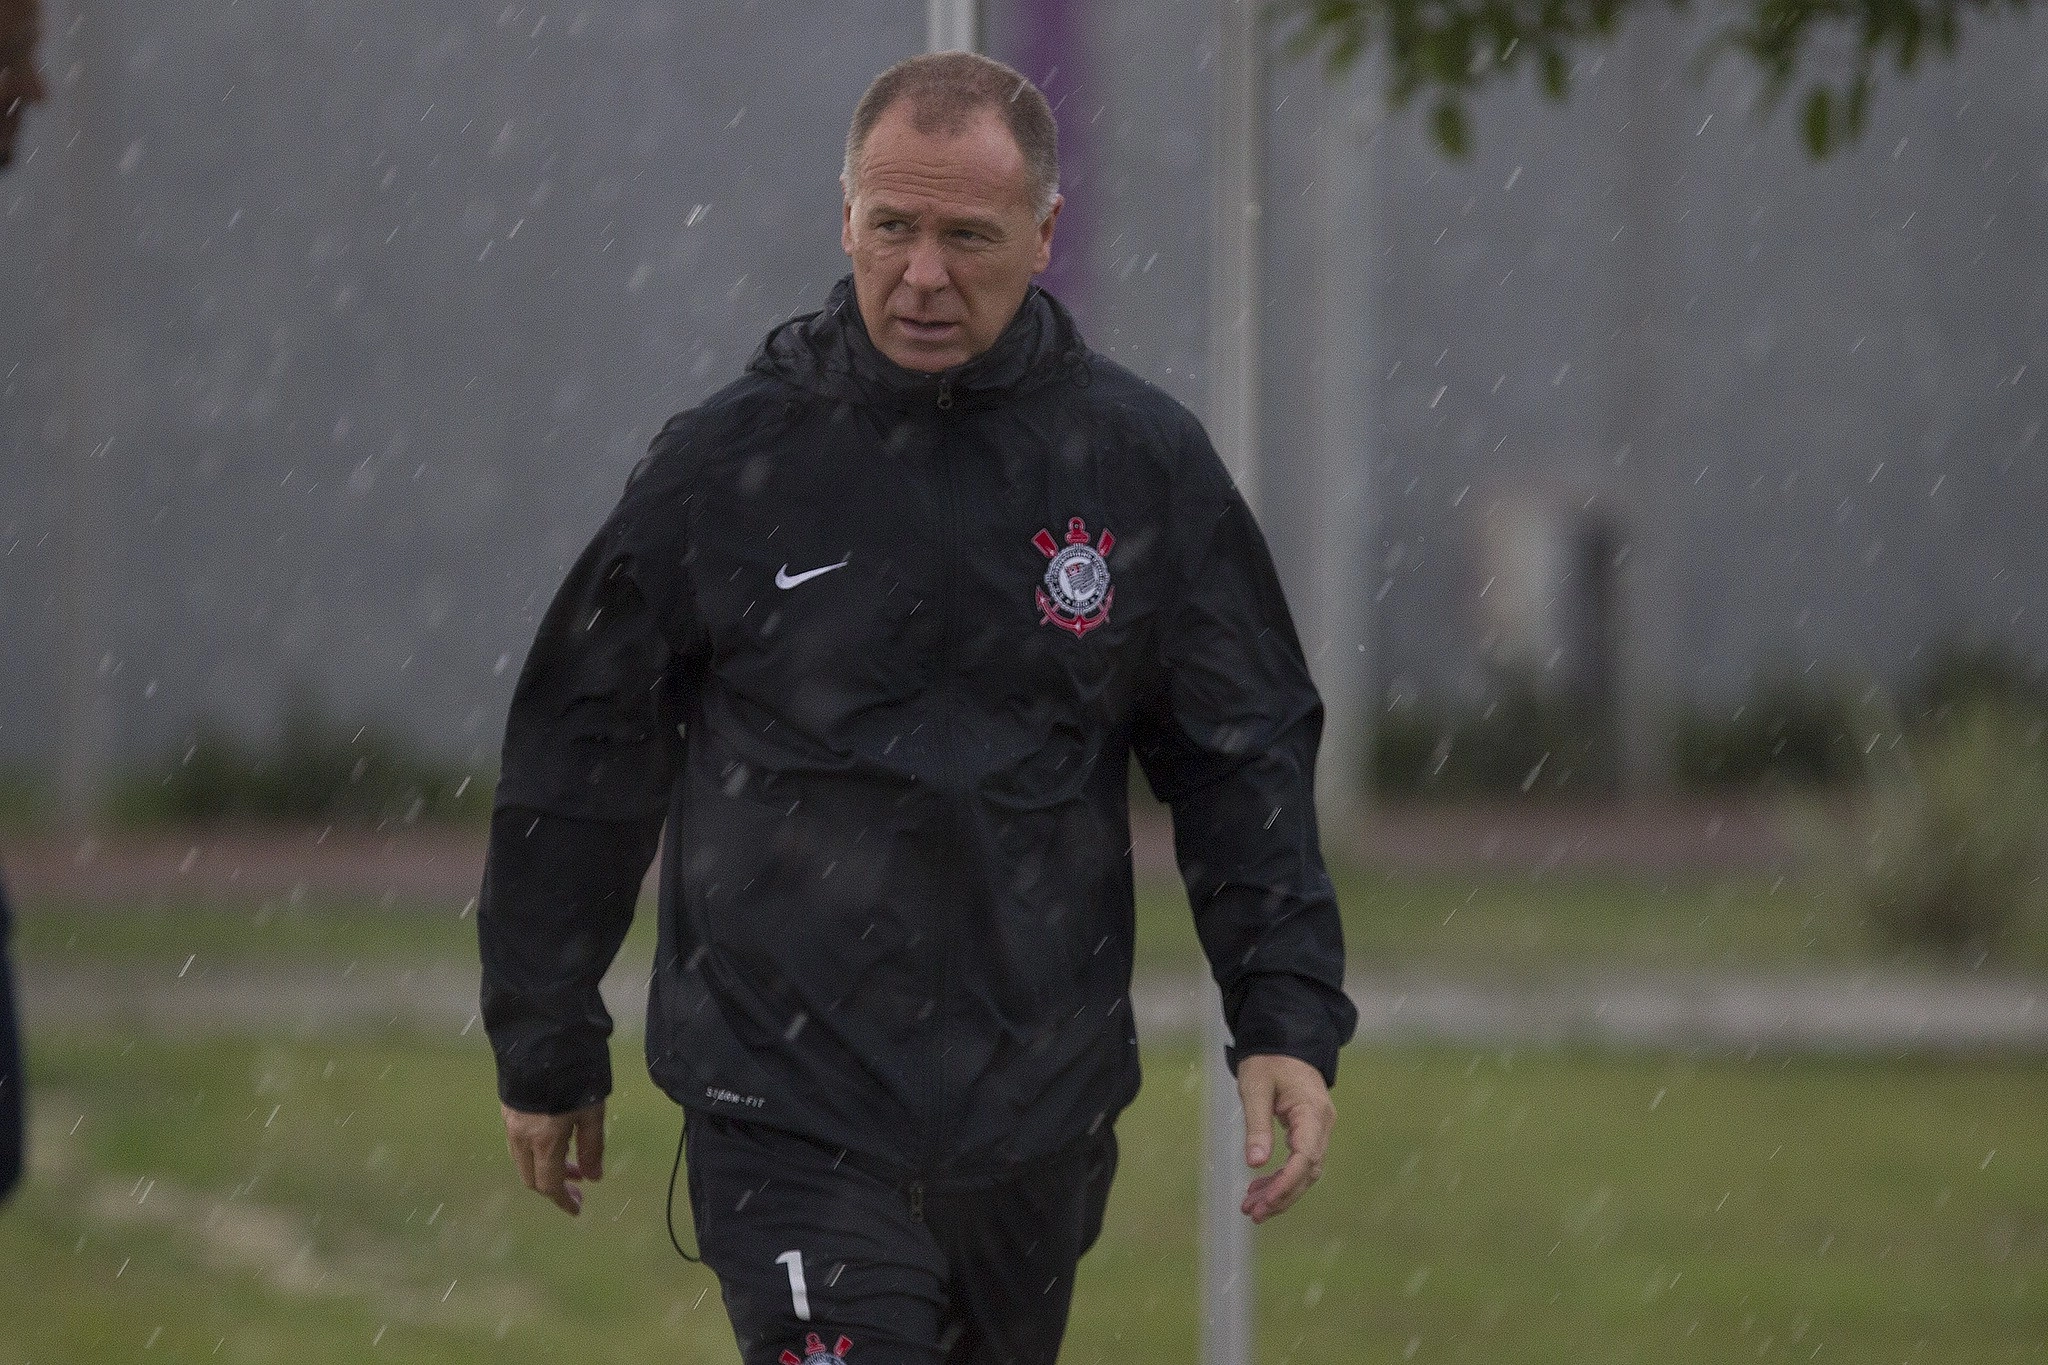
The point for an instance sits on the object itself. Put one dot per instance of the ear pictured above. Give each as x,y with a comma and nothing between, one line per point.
1044,257
845,216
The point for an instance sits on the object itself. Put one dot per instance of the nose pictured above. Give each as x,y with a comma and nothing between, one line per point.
926,270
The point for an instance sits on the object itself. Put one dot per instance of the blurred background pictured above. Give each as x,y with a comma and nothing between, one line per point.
1659,505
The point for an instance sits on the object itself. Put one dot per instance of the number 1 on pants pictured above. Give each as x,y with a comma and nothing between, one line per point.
798,1295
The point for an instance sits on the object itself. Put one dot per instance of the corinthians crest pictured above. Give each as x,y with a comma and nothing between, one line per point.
816,1354
1075,593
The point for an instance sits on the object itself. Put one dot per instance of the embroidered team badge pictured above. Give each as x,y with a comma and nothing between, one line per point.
1075,593
816,1354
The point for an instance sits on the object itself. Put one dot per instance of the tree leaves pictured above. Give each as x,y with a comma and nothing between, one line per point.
1819,121
1449,47
1448,125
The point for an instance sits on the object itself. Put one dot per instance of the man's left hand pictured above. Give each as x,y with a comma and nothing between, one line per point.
1292,1091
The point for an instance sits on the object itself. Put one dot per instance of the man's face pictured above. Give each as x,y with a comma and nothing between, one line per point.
943,238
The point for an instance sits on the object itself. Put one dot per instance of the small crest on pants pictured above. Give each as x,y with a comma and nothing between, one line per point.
816,1354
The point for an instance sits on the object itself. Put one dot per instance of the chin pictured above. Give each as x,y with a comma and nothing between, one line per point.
927,361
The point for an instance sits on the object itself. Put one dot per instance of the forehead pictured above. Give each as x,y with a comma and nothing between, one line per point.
976,167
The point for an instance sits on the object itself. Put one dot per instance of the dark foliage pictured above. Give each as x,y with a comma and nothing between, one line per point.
1445,49
1958,676
1525,742
1789,733
317,768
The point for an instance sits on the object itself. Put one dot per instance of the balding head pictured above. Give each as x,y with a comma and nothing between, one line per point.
943,92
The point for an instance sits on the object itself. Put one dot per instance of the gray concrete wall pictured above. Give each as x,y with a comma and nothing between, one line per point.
1837,450
398,296
395,297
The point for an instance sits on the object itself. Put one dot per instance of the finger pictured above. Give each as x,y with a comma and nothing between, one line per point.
550,1170
1308,1126
590,1144
1257,1094
1309,1121
1269,1195
522,1152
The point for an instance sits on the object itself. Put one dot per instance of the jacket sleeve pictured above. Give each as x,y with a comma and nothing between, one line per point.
591,746
1229,742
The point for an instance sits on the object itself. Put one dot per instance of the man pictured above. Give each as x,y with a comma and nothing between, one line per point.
873,634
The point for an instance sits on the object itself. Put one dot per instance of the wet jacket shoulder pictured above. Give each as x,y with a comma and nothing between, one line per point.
585,738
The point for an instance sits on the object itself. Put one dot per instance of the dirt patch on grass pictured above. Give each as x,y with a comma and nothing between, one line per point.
234,1234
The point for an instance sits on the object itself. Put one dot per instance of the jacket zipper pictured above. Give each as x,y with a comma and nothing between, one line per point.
935,1154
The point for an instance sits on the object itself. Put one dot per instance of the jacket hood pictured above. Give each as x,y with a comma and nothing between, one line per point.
830,353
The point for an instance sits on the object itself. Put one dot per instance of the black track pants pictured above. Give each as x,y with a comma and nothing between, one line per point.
819,1253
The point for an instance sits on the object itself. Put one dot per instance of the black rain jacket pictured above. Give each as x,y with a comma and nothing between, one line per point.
873,648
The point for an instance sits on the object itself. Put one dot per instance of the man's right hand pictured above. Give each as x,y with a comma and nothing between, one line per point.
541,1148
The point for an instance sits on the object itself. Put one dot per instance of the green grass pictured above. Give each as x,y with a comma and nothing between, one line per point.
1491,924
243,930
1498,924
1506,922
1503,1207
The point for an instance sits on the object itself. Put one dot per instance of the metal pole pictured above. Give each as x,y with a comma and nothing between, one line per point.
1648,664
1338,617
1235,208
84,722
952,26
1234,322
1225,1233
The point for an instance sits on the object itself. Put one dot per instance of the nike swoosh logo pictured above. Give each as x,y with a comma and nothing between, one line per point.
785,579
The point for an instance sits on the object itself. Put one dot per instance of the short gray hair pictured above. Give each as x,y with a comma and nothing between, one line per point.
945,90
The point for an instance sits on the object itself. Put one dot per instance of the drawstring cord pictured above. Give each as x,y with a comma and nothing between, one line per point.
670,1207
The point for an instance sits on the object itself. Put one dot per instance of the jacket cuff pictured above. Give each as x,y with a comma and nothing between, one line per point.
1291,1016
535,1084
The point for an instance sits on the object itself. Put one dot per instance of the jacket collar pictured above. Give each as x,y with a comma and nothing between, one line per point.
830,353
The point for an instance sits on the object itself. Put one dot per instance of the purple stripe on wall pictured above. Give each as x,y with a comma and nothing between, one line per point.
1053,52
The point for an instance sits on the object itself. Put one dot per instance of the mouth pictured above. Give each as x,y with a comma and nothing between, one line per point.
927,330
